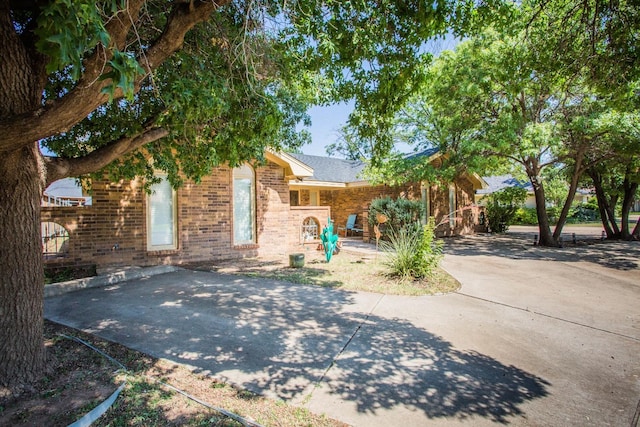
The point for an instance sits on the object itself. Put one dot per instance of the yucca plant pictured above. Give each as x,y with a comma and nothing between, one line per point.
413,252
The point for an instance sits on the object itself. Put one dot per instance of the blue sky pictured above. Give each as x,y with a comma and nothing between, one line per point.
325,123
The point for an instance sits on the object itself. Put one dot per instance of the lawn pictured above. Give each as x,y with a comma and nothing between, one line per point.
347,270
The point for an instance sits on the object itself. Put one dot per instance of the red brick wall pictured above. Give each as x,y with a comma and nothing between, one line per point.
297,215
112,231
357,200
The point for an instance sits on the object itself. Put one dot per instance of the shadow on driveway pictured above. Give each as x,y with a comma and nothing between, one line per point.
614,254
285,340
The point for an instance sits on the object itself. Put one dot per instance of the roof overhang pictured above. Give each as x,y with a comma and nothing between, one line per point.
326,185
293,168
477,181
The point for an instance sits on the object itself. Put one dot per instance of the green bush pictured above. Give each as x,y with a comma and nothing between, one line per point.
526,216
400,212
502,206
583,213
413,252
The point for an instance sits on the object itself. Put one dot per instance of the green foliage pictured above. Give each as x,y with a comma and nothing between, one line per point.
413,252
583,213
124,70
502,207
401,212
525,216
587,212
374,53
223,98
66,29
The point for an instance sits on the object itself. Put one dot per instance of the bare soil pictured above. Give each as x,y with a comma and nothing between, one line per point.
79,378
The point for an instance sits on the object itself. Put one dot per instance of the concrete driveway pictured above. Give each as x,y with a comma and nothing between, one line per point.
535,337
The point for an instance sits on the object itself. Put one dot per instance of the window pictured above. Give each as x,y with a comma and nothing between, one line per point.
424,189
314,198
294,198
310,227
55,239
161,216
452,205
243,205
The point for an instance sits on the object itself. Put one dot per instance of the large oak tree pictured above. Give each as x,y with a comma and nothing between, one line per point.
180,86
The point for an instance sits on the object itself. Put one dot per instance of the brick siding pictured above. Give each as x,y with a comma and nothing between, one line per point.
357,201
113,230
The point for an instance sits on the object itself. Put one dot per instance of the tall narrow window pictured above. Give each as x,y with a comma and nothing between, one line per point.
314,198
161,216
425,202
243,205
452,205
294,198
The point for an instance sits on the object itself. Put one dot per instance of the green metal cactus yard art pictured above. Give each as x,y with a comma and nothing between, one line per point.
329,240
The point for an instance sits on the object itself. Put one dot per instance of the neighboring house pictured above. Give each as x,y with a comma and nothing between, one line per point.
269,210
500,182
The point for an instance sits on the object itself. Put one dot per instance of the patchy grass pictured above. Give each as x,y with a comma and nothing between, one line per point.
350,271
78,379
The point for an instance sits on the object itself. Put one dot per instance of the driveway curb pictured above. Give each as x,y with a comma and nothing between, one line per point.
129,273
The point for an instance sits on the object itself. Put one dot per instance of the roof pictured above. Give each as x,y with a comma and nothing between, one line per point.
65,187
429,152
499,182
330,169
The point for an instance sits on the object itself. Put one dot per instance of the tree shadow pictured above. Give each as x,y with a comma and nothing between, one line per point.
391,362
281,339
614,254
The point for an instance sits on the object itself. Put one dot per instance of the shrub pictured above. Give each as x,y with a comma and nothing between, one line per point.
413,252
584,213
400,213
502,206
526,216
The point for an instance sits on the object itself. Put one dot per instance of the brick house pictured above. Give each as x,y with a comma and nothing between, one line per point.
336,183
269,210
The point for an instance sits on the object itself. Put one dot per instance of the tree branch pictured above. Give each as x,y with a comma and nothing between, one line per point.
61,115
58,168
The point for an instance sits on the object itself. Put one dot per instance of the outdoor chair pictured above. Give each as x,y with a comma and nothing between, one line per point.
351,226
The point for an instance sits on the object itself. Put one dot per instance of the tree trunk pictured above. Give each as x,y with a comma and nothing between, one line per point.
635,235
22,353
630,189
603,204
573,187
546,238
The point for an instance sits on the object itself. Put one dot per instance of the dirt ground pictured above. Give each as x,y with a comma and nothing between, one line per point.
78,379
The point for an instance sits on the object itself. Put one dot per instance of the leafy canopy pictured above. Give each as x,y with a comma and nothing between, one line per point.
244,78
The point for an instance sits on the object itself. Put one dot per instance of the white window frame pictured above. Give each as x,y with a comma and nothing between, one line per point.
244,172
151,246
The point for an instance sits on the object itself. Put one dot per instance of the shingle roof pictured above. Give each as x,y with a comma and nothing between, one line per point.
424,153
329,169
497,183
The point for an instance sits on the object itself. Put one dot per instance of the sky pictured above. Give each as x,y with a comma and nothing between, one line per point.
325,124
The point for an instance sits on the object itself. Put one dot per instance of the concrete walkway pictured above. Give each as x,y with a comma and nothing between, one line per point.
536,336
